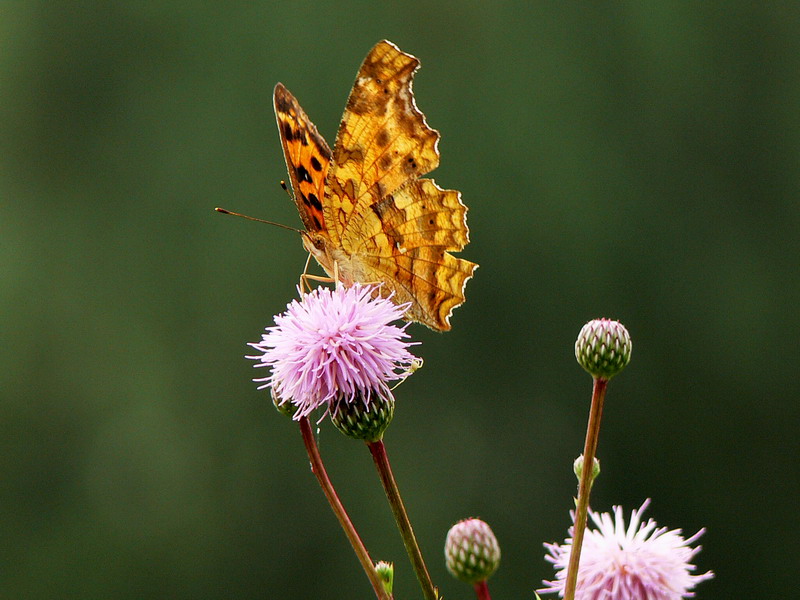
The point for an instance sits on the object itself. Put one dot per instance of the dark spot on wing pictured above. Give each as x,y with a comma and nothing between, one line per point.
314,201
382,139
303,174
382,207
282,103
357,103
315,164
317,223
344,155
288,132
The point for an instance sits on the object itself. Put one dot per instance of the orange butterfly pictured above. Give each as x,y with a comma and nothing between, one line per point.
369,218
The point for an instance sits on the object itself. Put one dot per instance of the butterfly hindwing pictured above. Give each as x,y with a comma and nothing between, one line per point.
405,239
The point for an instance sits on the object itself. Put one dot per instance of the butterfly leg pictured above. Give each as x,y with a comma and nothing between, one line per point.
306,277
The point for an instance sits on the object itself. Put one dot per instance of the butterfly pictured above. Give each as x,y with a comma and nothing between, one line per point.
368,216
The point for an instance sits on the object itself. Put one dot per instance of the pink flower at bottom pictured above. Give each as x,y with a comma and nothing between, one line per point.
334,344
640,562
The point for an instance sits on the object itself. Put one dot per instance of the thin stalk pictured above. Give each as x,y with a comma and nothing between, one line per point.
338,509
381,459
585,485
482,590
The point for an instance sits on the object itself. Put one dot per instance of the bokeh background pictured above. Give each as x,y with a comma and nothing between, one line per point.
632,160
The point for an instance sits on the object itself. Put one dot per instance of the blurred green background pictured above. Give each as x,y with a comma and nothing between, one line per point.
633,160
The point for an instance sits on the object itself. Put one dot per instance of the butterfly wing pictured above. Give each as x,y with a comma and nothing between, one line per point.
307,157
395,228
404,241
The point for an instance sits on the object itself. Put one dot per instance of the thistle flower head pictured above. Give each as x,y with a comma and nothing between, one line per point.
334,344
603,348
637,562
471,551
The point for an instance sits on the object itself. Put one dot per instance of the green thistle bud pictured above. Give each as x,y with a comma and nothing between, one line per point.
603,348
385,571
577,467
363,420
471,551
284,407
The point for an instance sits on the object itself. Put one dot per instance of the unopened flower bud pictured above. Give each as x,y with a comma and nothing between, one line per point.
577,467
471,551
385,571
603,348
283,406
363,420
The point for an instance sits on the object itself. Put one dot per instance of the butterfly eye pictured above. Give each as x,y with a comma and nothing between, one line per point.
319,243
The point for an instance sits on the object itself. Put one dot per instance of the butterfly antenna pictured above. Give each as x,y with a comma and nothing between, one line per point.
286,189
235,214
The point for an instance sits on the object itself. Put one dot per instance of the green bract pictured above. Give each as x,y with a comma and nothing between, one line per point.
471,551
603,348
363,420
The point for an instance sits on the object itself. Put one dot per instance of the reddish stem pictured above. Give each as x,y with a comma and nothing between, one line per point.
585,486
318,468
381,459
482,590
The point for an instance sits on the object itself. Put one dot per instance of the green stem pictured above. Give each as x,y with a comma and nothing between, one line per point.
585,486
378,451
338,509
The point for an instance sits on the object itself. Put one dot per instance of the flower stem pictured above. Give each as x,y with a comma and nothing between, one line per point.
381,459
482,590
338,509
585,485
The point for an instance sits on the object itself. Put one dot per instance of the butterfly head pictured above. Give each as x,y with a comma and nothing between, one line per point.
316,245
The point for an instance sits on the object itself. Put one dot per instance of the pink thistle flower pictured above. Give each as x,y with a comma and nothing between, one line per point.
640,562
334,344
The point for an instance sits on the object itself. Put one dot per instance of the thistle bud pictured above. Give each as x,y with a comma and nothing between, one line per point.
363,420
385,571
471,551
603,348
283,406
577,467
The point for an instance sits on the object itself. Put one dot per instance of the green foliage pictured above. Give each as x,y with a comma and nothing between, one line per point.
632,160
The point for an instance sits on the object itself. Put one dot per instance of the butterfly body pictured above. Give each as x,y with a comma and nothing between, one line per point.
327,254
368,215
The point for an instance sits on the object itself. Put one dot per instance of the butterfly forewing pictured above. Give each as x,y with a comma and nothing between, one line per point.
307,157
383,140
